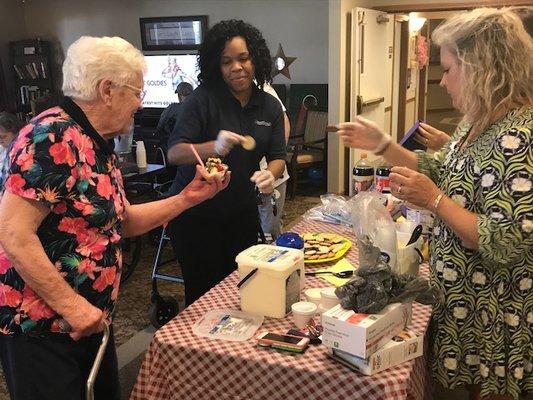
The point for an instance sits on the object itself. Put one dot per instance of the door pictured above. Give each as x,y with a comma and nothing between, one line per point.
371,71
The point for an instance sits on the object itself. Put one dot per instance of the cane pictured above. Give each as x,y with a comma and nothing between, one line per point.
65,327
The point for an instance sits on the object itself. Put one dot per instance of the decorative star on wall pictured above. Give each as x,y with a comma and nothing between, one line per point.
281,63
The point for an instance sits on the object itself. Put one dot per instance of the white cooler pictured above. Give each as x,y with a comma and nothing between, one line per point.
276,285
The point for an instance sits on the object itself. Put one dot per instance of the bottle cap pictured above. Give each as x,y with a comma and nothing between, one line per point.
364,155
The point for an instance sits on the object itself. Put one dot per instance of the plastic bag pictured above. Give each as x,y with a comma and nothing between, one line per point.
375,285
333,210
371,218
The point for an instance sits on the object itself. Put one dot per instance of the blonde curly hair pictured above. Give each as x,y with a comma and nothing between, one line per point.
496,57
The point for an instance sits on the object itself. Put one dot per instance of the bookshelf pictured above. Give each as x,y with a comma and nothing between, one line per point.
31,69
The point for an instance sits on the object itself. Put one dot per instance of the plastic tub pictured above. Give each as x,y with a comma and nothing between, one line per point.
276,283
302,312
328,298
313,295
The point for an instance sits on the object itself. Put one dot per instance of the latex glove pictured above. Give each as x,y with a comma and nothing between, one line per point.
264,180
431,137
363,134
225,142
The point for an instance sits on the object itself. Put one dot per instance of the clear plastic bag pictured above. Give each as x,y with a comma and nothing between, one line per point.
372,219
334,210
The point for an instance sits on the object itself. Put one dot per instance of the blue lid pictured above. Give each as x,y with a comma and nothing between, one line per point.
290,239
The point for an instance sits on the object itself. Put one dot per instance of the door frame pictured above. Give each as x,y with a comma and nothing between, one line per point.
402,87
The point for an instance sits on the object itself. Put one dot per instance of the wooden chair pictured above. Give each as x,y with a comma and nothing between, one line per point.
308,147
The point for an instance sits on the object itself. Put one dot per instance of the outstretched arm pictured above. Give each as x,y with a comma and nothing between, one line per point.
141,218
366,135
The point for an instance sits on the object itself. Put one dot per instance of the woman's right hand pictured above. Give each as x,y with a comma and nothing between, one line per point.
362,134
432,137
84,319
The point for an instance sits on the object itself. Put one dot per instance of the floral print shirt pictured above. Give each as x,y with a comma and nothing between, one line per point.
59,160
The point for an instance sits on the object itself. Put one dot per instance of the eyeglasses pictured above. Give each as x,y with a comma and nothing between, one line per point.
140,93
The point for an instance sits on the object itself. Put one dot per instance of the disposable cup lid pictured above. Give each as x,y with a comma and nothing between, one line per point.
313,293
329,293
304,307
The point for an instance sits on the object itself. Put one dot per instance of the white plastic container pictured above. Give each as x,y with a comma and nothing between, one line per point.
420,216
302,312
407,258
328,298
276,285
140,154
313,295
385,239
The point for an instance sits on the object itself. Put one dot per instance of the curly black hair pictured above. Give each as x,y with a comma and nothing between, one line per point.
215,41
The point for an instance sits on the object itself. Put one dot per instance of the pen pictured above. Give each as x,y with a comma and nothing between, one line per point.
248,276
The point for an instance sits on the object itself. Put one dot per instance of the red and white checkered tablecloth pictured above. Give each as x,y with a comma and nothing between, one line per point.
181,365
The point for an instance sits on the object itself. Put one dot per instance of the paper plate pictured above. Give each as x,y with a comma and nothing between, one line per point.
315,243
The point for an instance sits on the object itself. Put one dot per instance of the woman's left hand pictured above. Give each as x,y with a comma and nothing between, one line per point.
412,186
204,186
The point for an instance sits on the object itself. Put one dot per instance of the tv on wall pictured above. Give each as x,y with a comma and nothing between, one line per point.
163,75
173,33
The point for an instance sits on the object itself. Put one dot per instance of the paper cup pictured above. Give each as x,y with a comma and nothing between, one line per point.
313,295
328,298
302,312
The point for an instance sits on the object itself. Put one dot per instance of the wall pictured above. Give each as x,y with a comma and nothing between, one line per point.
301,26
12,27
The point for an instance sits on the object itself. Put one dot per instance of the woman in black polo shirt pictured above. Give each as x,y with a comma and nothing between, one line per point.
226,104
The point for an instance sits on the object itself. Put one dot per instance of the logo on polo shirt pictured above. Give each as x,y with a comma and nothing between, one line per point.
263,123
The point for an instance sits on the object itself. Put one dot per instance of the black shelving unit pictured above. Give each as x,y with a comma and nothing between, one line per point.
32,73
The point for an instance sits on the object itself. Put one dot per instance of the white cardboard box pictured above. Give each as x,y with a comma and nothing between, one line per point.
402,347
363,334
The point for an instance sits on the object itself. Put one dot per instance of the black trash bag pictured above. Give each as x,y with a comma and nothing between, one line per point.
348,292
372,299
369,255
374,285
413,288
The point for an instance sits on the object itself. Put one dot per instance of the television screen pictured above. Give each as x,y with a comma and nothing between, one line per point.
173,33
163,75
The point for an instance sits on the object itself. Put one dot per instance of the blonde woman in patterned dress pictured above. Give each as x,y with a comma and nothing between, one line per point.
480,189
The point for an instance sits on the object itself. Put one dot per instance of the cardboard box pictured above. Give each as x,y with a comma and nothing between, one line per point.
403,347
363,334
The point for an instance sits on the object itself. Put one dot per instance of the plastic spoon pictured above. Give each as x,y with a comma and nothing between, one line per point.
340,274
415,235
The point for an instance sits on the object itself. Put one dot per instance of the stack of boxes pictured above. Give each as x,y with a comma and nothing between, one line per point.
371,343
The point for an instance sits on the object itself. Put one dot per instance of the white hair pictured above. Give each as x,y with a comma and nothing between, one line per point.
91,59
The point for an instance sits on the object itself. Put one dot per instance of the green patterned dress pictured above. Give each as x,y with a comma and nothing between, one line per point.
482,330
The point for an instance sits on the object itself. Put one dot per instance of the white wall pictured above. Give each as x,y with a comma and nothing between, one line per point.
301,26
11,28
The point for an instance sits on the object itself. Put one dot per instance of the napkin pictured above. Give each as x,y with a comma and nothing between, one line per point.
341,265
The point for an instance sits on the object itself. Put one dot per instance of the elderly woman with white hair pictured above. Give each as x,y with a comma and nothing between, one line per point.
480,189
64,213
